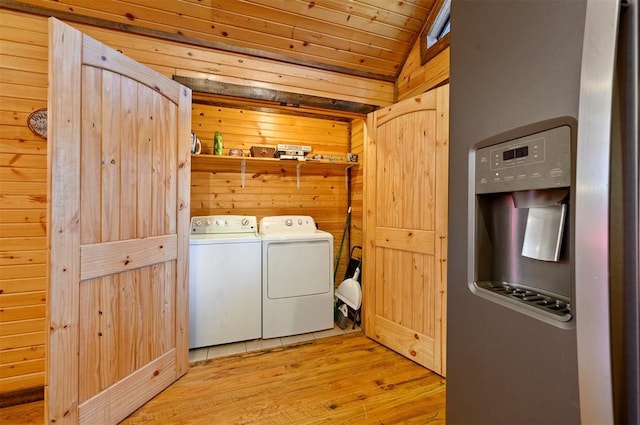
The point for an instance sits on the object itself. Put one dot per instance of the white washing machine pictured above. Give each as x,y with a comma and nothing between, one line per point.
297,276
225,280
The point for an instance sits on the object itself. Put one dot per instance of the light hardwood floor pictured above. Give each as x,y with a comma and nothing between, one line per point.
345,379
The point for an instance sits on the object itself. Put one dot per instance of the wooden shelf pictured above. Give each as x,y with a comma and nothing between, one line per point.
235,164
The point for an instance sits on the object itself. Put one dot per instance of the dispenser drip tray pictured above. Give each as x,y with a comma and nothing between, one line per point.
548,305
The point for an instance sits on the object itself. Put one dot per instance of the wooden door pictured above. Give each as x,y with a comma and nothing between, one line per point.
118,217
405,227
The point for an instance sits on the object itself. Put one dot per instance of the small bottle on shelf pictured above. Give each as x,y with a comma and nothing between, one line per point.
217,143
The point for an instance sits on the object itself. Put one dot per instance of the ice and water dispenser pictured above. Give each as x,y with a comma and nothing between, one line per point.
522,224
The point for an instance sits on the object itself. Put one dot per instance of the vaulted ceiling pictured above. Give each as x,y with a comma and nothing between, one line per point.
361,37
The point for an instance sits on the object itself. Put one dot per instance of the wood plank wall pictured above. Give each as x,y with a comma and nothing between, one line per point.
242,128
358,136
415,78
23,197
271,190
23,88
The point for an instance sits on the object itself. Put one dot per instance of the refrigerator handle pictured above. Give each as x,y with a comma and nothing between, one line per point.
592,212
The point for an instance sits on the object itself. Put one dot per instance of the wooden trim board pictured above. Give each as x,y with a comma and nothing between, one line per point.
281,97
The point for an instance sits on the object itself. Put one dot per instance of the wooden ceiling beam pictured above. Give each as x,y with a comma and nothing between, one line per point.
275,98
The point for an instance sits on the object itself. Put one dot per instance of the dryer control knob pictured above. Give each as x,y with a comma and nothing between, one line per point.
245,221
299,222
288,222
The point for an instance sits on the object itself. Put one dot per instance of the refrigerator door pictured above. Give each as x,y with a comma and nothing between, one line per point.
526,67
514,73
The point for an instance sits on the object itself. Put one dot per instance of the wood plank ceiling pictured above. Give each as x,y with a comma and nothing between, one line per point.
361,37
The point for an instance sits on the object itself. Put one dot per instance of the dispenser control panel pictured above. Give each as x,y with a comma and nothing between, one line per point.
537,161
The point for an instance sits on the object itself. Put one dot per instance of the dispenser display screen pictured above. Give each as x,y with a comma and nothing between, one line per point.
535,161
515,153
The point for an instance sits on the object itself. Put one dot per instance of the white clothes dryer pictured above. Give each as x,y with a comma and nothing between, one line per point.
297,276
225,280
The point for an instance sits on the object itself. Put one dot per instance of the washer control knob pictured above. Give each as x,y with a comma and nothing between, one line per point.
198,223
244,221
299,222
288,222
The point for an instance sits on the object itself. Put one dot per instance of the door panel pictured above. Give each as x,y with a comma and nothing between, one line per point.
118,237
404,272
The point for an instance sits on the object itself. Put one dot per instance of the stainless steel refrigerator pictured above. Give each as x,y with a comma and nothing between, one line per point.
543,320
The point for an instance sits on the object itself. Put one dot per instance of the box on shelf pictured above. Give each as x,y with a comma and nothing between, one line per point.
262,151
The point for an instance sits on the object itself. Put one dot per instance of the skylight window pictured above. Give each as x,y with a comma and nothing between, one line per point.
434,38
441,25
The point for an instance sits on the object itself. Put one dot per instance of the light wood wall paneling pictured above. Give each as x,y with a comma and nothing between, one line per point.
22,257
14,286
22,272
22,223
20,244
23,87
20,161
8,174
242,128
415,78
23,313
273,106
8,139
358,134
23,368
25,326
28,381
23,298
28,353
